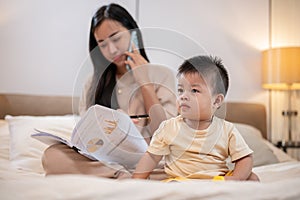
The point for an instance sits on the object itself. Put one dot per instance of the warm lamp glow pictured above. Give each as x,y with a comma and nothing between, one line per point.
281,68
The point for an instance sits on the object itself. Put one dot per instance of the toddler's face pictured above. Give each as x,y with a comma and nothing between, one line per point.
194,100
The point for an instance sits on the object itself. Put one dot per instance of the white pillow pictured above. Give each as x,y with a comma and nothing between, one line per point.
262,154
4,140
25,151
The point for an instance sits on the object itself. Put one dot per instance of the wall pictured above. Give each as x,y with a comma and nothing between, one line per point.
228,29
44,43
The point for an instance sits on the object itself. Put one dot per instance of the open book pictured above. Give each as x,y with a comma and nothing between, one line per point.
103,134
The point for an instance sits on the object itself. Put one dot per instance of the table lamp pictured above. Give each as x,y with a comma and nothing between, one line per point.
281,71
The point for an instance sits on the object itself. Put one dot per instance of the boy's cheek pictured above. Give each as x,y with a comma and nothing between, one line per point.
177,105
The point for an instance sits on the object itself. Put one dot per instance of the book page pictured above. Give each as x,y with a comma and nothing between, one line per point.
110,136
50,138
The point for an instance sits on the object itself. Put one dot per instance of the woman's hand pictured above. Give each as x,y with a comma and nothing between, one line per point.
135,121
136,58
136,62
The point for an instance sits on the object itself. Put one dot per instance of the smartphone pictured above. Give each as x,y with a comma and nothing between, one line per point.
133,40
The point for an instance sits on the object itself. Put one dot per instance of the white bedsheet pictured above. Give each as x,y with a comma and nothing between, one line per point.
278,181
88,187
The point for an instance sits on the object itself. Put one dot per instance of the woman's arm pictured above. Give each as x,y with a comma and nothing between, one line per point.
82,105
242,169
146,165
153,106
139,68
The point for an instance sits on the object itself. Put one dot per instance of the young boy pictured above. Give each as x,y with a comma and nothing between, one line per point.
196,143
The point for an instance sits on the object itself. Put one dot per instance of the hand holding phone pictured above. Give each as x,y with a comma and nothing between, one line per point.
133,40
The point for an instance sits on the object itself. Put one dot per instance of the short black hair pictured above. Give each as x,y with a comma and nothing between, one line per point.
207,66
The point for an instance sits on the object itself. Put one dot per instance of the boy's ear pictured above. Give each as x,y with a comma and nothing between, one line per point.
218,100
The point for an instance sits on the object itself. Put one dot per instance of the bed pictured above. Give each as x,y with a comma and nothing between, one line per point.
22,175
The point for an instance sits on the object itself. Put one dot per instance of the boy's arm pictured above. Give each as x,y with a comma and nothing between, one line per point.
146,164
242,169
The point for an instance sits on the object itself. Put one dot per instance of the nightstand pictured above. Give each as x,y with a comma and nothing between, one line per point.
289,144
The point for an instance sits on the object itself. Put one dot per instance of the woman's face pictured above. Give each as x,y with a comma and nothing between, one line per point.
113,40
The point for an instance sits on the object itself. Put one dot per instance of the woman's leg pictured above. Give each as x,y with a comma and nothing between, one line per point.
60,159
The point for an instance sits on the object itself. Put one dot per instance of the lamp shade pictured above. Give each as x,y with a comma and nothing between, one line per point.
281,68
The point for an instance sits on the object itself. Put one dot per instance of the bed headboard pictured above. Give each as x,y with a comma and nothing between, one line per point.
18,104
253,114
37,105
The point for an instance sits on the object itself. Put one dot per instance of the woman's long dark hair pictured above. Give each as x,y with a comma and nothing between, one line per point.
103,83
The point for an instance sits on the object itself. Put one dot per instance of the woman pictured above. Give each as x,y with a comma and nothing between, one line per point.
144,89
